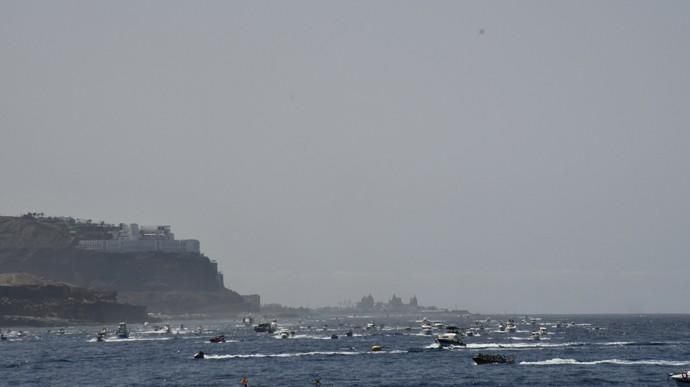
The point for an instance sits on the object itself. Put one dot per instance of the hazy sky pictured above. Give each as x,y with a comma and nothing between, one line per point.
502,156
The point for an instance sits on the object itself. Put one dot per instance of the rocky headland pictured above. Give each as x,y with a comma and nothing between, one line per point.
164,282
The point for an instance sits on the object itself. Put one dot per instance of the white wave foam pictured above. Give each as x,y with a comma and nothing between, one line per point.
531,344
559,361
302,336
296,354
299,354
116,340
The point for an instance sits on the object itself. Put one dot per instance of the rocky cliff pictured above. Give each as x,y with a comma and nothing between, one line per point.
164,282
29,300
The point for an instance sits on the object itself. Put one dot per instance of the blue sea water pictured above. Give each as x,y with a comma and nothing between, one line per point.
584,350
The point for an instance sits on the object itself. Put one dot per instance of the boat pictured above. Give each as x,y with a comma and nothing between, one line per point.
681,378
283,333
266,327
427,330
376,348
445,339
371,326
349,333
217,339
482,358
501,327
536,335
122,332
248,321
511,327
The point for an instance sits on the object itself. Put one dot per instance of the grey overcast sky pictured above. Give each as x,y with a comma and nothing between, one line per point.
499,156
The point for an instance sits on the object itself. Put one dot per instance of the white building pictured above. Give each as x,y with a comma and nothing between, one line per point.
134,238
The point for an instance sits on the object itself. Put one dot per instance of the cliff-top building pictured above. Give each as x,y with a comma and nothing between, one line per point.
134,238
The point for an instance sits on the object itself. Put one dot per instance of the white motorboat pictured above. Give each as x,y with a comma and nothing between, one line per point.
449,339
282,333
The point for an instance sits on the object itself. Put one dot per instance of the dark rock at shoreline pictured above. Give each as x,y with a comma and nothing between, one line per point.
26,299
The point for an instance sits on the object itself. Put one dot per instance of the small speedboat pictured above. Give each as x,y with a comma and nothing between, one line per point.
376,348
349,333
681,378
266,327
481,358
199,355
122,331
217,339
446,339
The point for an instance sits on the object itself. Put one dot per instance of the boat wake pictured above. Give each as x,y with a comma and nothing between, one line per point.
524,345
130,339
528,344
299,354
559,361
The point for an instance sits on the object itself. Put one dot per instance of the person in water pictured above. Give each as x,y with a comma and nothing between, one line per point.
244,382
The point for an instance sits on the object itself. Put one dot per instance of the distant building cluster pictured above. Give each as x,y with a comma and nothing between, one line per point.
395,304
127,238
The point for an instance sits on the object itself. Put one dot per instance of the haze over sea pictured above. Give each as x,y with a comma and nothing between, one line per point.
578,350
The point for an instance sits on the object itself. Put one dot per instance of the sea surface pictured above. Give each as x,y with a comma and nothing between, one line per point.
575,351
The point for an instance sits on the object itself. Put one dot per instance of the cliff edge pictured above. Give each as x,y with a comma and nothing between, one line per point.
165,282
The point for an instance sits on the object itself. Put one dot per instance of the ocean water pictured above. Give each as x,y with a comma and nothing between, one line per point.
585,350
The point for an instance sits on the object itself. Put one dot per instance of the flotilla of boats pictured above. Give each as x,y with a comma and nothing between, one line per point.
452,337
